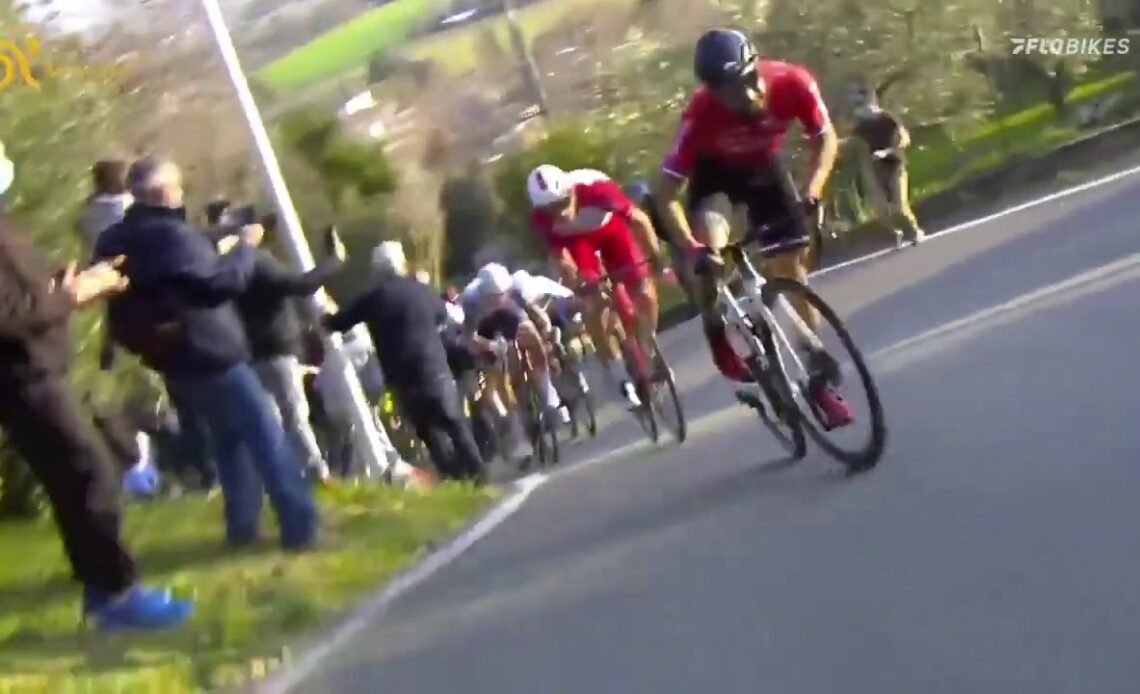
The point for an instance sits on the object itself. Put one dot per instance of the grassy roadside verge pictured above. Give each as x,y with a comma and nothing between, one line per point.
252,603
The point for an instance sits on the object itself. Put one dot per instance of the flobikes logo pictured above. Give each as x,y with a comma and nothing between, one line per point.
1070,46
27,65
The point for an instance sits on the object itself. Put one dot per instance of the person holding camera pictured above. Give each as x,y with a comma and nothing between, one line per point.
178,316
269,312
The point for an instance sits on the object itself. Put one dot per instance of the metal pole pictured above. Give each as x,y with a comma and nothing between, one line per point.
371,441
531,75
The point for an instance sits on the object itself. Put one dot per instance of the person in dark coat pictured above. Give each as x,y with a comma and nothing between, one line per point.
404,318
43,420
178,316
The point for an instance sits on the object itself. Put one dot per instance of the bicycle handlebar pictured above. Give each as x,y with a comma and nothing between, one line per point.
586,286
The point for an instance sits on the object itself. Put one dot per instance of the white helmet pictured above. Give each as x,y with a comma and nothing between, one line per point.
494,279
389,257
547,185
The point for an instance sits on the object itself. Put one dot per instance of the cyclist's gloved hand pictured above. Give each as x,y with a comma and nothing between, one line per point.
811,205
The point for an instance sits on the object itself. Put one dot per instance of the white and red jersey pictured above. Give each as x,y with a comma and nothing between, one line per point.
711,130
600,205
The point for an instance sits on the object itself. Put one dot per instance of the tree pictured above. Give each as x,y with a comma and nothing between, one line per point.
348,169
469,219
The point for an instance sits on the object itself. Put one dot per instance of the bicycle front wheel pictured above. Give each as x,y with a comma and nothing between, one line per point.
664,399
782,418
543,433
842,375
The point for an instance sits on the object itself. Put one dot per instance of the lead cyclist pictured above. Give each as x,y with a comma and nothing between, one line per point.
728,145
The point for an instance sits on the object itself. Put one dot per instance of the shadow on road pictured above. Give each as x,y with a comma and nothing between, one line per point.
780,486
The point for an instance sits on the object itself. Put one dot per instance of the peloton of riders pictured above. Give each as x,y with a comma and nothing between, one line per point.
726,149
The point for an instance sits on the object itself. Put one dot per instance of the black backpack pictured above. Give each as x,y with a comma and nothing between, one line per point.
140,322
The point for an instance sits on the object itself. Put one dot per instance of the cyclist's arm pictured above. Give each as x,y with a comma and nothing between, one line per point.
643,226
812,114
563,265
666,196
824,148
675,170
471,337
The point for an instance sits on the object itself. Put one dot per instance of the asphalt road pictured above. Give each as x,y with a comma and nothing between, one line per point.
994,550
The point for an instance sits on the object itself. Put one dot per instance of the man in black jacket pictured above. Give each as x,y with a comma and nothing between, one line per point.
178,317
404,318
269,312
43,420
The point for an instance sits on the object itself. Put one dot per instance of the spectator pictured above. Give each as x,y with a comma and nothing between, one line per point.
336,401
108,202
885,171
178,317
404,318
44,421
269,314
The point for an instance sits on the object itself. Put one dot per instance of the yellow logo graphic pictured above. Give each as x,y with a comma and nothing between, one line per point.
15,62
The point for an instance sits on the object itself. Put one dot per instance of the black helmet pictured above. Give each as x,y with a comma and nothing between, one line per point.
723,56
638,191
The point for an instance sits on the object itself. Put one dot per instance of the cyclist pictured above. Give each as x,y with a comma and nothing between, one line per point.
497,308
728,144
588,221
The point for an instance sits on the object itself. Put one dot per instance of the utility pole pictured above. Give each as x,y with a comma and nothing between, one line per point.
530,73
371,443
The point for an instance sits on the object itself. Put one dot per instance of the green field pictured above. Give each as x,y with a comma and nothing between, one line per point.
348,48
350,45
252,604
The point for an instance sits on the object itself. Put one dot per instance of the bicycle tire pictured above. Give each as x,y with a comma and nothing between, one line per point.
869,455
591,414
643,414
778,391
663,380
544,436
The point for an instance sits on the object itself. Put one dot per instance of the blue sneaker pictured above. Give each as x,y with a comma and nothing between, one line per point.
139,608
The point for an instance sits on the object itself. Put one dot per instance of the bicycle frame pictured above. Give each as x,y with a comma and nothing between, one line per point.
740,313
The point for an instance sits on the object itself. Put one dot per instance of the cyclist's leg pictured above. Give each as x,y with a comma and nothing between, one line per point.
604,322
530,342
785,247
620,253
786,241
712,191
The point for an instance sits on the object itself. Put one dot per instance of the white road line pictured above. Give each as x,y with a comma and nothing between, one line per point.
1073,285
295,674
1105,180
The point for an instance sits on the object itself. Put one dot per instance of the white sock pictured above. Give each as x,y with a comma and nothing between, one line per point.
544,382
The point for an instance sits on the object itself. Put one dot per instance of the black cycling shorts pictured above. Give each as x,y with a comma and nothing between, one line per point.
767,192
502,322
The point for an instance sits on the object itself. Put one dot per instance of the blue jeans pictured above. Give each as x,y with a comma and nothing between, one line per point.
251,452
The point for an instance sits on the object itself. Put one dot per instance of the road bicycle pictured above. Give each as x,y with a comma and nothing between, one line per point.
750,306
648,370
541,429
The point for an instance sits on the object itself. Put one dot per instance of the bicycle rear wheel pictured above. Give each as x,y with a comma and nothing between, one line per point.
857,453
